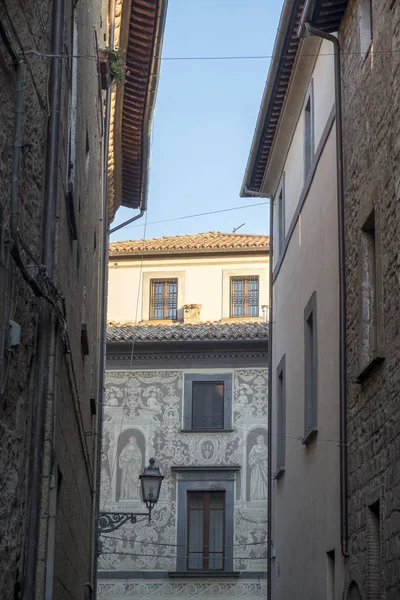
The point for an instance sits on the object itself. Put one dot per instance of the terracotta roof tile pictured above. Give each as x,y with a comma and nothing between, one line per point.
213,241
188,332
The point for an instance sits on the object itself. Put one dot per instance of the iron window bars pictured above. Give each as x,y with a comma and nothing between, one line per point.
244,296
163,299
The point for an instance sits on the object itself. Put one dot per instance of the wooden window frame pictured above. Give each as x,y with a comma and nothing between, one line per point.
206,530
245,279
165,281
190,378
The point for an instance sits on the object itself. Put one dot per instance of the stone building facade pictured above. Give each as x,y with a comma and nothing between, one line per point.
148,560
55,114
370,42
153,368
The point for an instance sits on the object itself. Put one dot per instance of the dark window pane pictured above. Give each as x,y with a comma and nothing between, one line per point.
208,405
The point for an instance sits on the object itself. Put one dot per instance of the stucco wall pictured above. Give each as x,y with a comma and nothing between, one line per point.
371,87
148,405
306,497
128,296
322,89
305,520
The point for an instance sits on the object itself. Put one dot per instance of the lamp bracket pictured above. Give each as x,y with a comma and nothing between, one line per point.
108,522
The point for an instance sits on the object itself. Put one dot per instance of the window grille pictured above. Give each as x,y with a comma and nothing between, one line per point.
244,297
206,531
163,298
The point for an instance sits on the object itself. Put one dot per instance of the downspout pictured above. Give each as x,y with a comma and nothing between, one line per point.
46,328
344,530
250,192
269,396
102,344
135,218
103,325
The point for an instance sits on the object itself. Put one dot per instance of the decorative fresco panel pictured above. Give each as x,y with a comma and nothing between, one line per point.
184,591
143,418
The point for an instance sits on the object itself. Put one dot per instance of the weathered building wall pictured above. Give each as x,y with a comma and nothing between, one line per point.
127,276
371,113
148,405
68,450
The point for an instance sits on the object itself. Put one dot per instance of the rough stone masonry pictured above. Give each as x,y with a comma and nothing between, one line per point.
371,123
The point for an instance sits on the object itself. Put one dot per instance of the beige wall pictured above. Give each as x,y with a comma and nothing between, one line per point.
201,280
323,98
306,517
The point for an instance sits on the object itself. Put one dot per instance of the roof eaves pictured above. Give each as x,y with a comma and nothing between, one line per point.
325,15
283,60
132,105
159,252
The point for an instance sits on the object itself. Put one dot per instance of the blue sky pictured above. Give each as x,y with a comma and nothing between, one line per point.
205,117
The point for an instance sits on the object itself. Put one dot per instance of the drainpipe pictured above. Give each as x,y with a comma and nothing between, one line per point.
270,335
103,324
125,223
342,284
253,193
46,329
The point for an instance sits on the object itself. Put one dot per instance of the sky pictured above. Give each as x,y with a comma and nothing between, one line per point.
205,117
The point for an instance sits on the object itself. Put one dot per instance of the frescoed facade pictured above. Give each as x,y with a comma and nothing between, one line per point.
193,395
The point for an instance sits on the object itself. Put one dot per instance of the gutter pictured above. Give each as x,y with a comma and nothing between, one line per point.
284,24
304,29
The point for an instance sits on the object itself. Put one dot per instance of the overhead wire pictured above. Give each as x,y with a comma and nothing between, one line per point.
201,58
130,540
213,212
175,556
131,362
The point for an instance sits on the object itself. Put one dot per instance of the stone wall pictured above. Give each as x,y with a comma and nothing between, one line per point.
148,405
69,446
371,113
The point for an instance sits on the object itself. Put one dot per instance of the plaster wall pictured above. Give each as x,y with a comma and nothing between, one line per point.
306,498
148,405
201,280
323,99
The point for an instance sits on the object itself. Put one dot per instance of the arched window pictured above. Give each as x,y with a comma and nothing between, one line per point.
354,592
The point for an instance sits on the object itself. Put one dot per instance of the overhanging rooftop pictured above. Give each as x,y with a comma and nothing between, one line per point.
139,28
323,14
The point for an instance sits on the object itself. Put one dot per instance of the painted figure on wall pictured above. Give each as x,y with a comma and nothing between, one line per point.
130,462
259,470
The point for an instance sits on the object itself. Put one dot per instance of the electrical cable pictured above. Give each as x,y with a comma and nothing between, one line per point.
213,212
131,361
132,540
213,58
174,557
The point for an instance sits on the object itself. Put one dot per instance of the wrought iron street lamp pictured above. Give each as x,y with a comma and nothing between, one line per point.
150,480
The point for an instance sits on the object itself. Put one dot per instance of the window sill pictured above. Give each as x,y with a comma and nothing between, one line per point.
201,574
207,430
309,435
279,473
370,367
